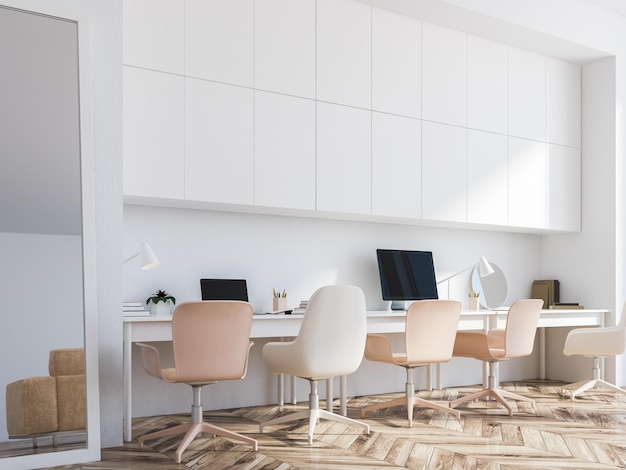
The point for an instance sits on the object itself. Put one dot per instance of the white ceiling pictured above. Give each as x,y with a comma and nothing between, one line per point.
616,6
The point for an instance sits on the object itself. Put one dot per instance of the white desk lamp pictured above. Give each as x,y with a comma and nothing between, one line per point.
484,269
147,257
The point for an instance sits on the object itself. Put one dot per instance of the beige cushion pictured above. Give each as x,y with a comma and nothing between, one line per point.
69,361
71,402
32,406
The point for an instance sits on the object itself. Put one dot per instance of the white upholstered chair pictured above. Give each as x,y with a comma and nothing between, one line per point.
517,339
430,331
596,343
211,343
330,343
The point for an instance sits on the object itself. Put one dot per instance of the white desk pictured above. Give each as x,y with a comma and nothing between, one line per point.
159,328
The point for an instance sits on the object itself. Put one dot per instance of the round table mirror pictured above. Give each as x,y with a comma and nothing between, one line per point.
492,288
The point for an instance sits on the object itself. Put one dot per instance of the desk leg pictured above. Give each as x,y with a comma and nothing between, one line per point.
128,374
329,394
280,385
438,376
542,353
294,399
429,377
343,400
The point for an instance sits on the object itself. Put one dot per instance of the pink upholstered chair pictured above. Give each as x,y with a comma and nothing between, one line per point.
330,343
430,330
211,343
595,343
517,339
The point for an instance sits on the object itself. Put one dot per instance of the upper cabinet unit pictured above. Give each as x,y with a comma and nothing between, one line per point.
444,75
284,47
219,41
153,144
527,95
487,85
367,113
396,63
563,103
154,35
344,53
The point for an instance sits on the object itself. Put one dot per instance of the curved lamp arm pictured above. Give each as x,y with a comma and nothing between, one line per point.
147,257
484,269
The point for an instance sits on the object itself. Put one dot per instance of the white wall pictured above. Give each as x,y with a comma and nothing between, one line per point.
301,254
36,300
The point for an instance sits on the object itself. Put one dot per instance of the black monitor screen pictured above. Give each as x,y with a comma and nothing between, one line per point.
407,275
224,289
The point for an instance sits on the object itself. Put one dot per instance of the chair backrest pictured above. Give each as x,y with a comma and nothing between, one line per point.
431,327
211,340
521,327
332,336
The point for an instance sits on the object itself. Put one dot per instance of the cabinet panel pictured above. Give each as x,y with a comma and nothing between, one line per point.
343,159
154,149
487,85
527,183
284,47
487,173
218,142
219,40
154,34
563,102
444,170
344,59
563,178
284,156
527,94
444,75
396,166
396,63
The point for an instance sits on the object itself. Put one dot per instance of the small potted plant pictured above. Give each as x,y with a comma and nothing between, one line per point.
160,303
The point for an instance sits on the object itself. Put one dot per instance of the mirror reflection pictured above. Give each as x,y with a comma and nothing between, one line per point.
42,336
492,289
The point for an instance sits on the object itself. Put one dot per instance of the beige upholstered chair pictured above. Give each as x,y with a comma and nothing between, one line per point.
517,339
596,343
330,343
211,343
49,405
430,330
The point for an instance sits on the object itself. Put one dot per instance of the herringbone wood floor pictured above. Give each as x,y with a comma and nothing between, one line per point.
556,433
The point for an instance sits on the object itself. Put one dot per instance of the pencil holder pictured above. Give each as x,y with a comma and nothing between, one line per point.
473,304
279,303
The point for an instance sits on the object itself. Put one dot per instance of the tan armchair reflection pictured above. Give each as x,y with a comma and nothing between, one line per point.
49,405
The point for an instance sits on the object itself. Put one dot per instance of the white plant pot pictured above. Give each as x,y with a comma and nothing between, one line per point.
161,308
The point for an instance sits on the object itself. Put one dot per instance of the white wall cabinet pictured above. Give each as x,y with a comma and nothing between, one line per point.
344,53
444,170
396,63
219,41
396,166
444,75
344,170
153,145
563,195
563,103
218,142
487,85
527,183
357,109
487,175
284,47
527,95
156,40
284,151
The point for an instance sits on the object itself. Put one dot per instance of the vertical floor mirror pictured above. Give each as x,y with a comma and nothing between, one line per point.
48,339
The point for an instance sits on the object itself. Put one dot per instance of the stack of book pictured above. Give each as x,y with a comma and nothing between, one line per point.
567,306
134,309
302,307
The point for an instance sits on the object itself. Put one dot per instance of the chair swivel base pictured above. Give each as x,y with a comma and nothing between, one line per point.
191,430
577,388
497,394
313,415
411,402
